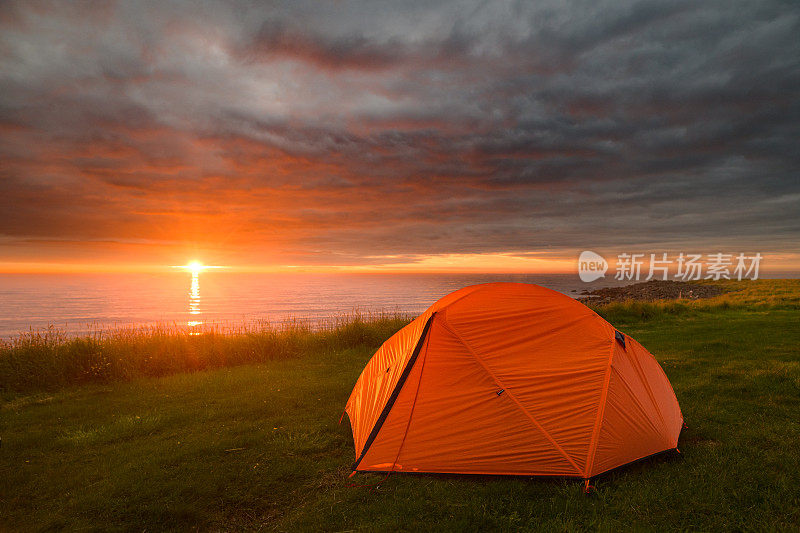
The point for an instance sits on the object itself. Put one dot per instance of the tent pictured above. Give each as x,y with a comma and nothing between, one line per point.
510,378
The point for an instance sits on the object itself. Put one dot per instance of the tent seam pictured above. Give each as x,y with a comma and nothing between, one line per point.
639,371
674,397
413,405
536,423
637,402
601,408
470,293
396,392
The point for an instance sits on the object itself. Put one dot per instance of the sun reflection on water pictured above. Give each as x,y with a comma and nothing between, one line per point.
194,304
195,268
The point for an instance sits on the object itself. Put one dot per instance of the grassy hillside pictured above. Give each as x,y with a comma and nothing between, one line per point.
257,446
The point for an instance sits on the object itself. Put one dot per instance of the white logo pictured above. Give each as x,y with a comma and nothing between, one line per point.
591,266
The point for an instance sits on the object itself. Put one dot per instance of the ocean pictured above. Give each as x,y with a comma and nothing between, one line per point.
77,303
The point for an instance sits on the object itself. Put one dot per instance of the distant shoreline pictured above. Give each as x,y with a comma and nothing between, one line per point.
653,290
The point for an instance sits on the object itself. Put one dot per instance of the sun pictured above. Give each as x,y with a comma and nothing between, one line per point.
195,267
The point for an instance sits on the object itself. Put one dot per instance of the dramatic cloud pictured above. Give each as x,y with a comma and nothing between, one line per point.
375,132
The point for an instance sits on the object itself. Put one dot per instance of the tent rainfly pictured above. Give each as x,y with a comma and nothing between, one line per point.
510,378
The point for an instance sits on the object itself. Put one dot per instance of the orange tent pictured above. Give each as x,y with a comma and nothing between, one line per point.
510,378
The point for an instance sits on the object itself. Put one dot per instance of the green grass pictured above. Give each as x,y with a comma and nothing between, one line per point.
745,295
49,359
258,447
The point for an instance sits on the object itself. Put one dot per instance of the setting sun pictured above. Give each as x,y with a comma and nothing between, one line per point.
195,267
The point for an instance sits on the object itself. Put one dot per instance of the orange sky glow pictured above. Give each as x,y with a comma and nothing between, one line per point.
773,264
325,140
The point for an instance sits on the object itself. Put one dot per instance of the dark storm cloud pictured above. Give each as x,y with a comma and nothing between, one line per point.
344,131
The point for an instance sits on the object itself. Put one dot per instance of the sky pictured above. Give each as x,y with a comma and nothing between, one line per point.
408,135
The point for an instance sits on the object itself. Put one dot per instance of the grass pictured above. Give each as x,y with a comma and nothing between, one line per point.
748,295
258,447
49,359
